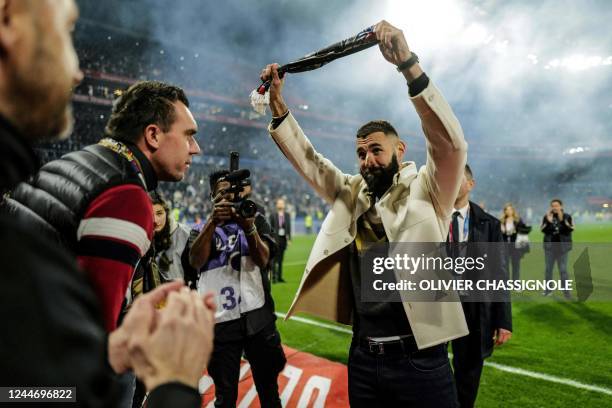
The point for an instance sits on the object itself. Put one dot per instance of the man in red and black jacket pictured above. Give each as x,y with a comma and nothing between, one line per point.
95,200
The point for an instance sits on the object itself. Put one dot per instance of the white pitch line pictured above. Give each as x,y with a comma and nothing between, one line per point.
550,378
501,367
315,323
294,263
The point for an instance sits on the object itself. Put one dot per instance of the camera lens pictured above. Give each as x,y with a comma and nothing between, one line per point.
247,209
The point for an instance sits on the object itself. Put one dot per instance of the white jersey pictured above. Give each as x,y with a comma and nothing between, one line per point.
232,275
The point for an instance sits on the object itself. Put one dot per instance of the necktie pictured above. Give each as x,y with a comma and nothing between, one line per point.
281,220
455,227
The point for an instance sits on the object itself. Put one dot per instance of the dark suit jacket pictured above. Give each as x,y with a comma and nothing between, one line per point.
484,317
281,241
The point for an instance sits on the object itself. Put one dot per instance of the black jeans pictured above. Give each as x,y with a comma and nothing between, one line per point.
266,357
404,379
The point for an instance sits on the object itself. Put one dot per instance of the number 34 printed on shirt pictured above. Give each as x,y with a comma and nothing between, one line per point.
230,298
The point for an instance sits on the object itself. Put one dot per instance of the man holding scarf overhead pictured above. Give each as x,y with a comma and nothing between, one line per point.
398,354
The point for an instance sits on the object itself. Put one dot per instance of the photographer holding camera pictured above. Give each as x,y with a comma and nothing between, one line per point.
232,254
557,227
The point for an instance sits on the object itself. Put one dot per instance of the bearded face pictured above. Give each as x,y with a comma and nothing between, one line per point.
380,178
378,155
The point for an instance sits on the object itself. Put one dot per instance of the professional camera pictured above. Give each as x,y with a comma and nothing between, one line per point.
239,180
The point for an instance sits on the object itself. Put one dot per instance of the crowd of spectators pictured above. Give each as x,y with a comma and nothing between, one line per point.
129,56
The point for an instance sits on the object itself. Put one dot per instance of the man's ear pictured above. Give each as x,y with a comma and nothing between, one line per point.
401,149
152,134
472,184
9,32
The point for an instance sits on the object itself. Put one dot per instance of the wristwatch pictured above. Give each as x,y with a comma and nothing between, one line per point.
408,63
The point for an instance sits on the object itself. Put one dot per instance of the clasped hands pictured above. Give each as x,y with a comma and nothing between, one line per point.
169,343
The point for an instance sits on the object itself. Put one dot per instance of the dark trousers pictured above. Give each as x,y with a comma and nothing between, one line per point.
266,357
513,257
404,379
277,267
559,257
467,367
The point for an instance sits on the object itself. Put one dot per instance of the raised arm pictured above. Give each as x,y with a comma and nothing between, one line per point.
446,146
258,248
202,246
324,177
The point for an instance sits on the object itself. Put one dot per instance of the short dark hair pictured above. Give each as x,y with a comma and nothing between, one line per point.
376,126
468,171
157,199
214,178
143,104
556,200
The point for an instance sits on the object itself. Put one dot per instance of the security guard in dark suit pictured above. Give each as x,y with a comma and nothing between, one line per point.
490,323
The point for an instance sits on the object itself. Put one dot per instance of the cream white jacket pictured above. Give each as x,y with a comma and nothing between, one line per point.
417,208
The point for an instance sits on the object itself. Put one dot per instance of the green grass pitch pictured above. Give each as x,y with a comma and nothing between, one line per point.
558,338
